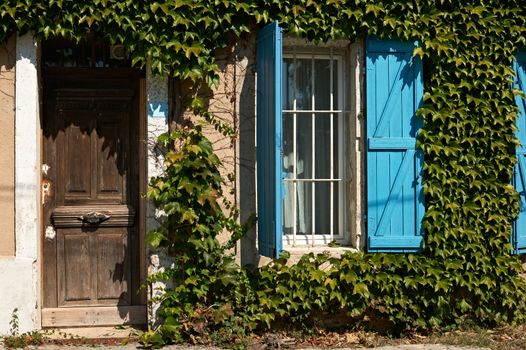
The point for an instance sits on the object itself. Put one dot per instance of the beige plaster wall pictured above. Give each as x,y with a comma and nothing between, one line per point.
7,147
233,102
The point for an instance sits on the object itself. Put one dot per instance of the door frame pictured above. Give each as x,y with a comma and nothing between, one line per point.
135,314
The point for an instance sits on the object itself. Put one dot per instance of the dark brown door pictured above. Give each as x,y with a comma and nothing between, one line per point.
90,197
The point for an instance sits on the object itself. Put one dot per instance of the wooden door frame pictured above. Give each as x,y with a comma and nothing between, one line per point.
137,313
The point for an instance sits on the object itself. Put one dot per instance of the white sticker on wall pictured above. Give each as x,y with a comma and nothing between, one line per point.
50,233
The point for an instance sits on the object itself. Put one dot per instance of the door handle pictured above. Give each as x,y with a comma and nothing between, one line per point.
94,217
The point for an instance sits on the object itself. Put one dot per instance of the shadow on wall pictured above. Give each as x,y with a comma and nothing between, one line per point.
247,148
232,102
8,56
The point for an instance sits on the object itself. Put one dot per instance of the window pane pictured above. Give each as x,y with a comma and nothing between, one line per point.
288,208
288,83
304,208
304,146
322,84
304,80
323,146
336,139
288,144
335,77
304,84
322,209
338,188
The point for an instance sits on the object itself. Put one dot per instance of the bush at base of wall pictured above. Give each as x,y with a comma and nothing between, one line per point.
216,300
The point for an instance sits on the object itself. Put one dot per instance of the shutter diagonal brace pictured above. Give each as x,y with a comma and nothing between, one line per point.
520,81
395,88
522,174
395,192
521,78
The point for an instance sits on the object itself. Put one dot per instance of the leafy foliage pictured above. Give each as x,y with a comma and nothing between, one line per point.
466,270
15,340
209,288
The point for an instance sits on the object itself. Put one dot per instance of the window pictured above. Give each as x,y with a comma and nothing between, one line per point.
312,146
305,147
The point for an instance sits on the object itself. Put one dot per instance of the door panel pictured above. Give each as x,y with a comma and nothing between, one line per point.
77,146
90,234
108,163
93,266
74,256
112,266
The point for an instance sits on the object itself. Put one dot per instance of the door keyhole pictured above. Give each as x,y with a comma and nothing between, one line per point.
46,191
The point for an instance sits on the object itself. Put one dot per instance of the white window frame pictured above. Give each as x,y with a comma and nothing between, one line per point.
341,116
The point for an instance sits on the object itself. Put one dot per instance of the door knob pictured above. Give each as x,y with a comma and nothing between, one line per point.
94,217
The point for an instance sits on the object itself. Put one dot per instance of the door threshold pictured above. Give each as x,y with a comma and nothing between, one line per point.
94,316
96,332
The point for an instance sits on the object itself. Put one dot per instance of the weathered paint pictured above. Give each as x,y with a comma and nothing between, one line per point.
156,105
157,123
356,146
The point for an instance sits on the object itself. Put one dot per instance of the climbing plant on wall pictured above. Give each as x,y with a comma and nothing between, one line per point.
466,269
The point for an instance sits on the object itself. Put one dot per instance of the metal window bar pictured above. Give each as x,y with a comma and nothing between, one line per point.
313,187
331,205
341,146
294,150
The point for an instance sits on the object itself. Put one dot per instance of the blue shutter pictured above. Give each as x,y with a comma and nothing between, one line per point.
519,172
269,169
395,204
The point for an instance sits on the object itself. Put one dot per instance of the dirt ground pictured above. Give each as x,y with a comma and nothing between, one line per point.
503,338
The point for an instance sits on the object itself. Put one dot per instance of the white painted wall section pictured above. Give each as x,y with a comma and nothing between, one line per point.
157,123
20,275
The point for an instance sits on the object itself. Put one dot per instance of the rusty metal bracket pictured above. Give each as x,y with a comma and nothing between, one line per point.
94,218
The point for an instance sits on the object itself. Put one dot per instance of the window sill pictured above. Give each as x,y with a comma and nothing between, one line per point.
333,252
297,252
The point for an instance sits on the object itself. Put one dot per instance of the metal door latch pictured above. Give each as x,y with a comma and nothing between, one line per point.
94,217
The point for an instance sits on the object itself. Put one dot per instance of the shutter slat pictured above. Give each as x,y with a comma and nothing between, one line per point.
395,193
394,190
390,104
269,168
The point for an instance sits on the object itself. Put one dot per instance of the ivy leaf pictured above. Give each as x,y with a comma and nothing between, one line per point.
418,51
154,238
361,289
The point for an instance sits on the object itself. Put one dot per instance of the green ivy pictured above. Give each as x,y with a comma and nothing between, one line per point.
208,288
466,270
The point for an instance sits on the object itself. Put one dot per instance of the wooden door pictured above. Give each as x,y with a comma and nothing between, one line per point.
90,198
